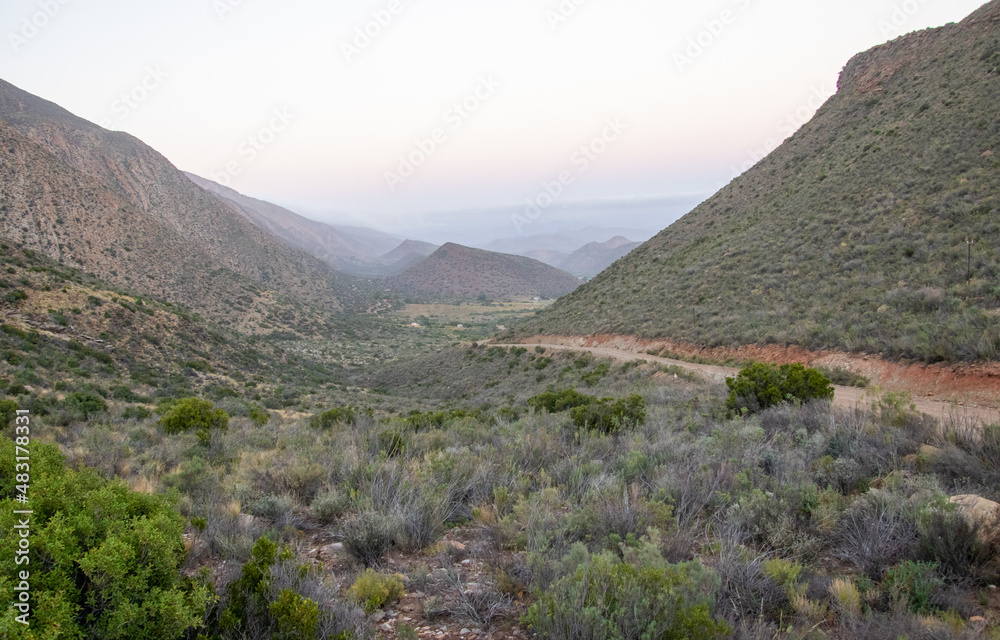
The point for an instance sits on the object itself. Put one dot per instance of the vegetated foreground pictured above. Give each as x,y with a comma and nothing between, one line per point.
547,493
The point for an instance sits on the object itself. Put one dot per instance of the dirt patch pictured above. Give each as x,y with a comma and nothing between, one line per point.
977,383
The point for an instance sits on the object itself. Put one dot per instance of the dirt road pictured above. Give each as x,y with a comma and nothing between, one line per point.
844,396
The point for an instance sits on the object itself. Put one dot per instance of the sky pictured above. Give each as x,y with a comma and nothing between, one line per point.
400,114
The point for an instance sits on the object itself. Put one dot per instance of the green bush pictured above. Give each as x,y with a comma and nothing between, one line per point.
84,405
611,416
913,584
373,590
192,414
334,417
268,601
761,386
559,401
606,598
8,411
105,561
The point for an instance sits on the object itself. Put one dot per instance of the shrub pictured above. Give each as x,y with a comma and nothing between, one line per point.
369,536
84,405
8,411
611,416
110,558
136,413
192,414
276,597
374,591
259,415
913,584
961,549
334,417
330,505
876,533
607,598
559,401
761,386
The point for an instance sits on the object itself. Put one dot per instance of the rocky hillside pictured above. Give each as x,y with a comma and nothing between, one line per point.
337,246
107,203
455,271
852,234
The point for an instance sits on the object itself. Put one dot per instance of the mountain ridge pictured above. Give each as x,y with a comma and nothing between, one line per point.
851,235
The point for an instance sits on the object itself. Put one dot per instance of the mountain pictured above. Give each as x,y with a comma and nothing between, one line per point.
338,246
852,234
565,241
461,272
107,203
593,258
406,255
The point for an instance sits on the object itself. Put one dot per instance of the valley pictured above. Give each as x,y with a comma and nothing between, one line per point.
778,418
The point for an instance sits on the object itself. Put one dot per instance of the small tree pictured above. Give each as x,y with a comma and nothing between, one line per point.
105,561
192,414
761,386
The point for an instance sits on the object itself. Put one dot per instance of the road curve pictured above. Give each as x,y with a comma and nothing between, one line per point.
847,397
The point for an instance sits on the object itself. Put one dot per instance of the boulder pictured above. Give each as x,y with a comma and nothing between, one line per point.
977,510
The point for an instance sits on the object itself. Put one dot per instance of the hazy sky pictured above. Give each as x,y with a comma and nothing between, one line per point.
312,104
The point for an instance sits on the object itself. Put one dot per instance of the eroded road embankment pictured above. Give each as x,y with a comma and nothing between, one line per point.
969,407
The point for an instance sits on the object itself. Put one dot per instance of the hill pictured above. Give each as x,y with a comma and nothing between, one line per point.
107,203
336,246
409,253
460,272
564,241
591,259
852,234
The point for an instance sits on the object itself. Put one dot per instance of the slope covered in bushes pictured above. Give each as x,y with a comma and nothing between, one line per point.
852,234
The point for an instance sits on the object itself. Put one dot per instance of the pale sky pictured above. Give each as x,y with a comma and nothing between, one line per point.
285,101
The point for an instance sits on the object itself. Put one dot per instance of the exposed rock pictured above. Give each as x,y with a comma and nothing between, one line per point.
978,510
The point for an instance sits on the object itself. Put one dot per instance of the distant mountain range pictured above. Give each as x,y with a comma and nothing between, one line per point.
462,272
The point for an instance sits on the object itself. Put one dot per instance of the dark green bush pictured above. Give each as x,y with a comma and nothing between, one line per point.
611,416
559,401
84,405
105,560
193,414
761,386
276,597
334,417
